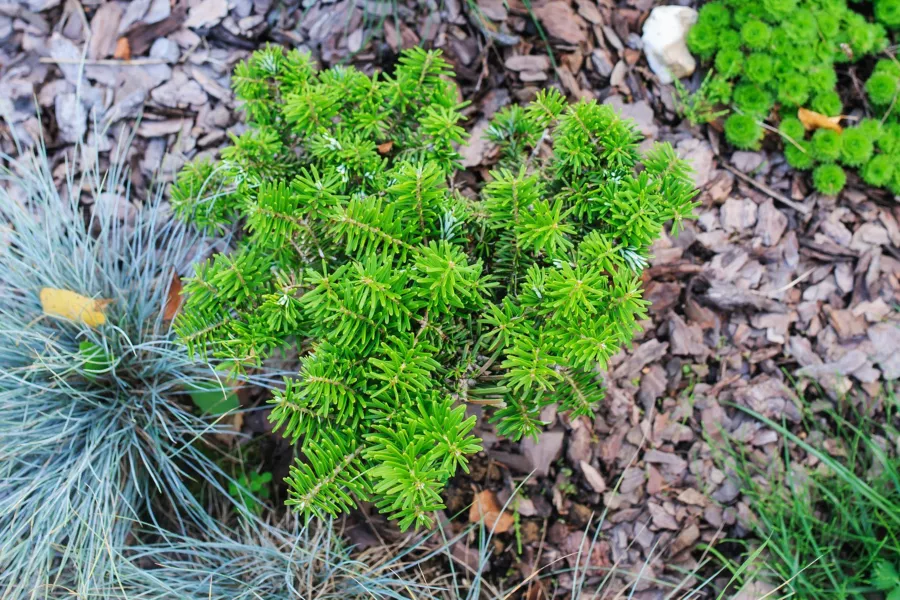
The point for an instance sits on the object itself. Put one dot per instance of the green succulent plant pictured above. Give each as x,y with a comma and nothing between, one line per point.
769,58
829,179
743,131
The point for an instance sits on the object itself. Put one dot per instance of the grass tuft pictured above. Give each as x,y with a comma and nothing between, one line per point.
829,510
95,432
282,562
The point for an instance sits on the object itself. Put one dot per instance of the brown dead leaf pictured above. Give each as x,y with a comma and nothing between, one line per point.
174,299
73,307
385,147
812,120
123,49
487,507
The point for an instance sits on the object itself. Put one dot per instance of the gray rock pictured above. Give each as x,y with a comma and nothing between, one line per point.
242,8
207,13
209,84
49,92
738,215
727,492
116,205
640,111
771,223
885,338
153,129
153,155
602,64
528,62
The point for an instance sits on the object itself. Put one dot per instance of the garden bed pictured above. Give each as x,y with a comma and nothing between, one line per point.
776,302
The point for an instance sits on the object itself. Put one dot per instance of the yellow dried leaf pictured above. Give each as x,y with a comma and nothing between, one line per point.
74,307
812,120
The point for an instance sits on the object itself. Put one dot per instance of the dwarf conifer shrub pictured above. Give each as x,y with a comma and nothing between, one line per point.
407,299
773,57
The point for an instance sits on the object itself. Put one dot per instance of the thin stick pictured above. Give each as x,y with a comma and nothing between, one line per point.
785,288
769,191
784,135
134,62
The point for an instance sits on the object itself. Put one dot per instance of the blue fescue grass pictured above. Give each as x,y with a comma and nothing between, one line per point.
86,450
285,562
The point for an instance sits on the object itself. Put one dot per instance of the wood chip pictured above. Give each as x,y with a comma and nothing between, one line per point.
561,22
487,507
527,62
206,14
105,30
593,477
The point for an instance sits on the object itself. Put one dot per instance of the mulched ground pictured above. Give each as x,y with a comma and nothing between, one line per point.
772,282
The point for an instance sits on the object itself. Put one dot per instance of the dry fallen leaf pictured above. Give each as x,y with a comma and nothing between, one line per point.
385,147
487,507
812,120
74,307
174,299
123,49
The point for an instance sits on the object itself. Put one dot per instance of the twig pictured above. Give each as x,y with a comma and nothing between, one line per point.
802,208
768,127
890,108
784,288
134,62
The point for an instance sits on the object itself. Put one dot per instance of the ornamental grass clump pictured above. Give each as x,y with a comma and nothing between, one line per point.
772,58
95,433
284,561
407,299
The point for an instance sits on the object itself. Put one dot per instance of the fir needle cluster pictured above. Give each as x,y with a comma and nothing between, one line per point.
407,299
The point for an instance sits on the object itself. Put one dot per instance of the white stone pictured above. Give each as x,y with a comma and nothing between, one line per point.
665,32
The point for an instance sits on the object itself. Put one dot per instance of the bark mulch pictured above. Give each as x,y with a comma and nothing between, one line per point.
773,297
